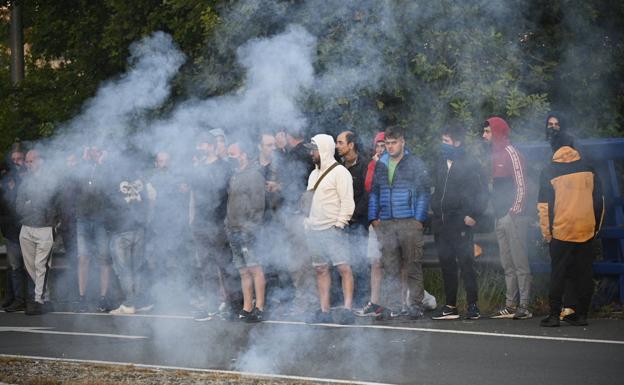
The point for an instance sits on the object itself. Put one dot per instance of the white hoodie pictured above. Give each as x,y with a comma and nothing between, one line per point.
333,202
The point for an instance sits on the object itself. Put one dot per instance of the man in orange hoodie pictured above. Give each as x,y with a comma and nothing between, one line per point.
508,198
571,208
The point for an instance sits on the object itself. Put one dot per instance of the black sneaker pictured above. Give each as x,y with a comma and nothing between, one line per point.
81,306
575,319
387,315
346,317
15,306
244,315
203,316
7,302
415,312
445,313
256,315
473,312
370,310
34,308
550,321
104,305
320,317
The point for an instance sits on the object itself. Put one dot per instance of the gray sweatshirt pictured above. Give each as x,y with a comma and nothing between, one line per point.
246,200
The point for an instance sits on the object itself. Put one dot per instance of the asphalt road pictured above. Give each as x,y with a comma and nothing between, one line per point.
411,352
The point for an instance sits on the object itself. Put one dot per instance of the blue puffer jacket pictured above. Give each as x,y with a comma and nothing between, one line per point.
409,194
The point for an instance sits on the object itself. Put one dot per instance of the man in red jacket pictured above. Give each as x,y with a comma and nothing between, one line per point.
508,198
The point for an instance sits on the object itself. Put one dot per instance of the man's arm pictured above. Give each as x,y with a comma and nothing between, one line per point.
344,188
373,196
545,200
518,174
422,191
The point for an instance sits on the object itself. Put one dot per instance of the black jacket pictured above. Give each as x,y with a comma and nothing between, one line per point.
459,191
360,196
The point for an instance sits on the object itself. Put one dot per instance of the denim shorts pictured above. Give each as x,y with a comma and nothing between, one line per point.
243,249
93,240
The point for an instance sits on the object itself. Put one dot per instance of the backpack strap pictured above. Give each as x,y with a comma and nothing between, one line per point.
323,176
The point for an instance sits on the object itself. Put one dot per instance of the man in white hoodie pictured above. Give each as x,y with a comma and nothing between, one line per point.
332,207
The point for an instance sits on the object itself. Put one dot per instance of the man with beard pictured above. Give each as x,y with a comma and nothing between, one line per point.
10,227
348,147
508,198
397,208
331,209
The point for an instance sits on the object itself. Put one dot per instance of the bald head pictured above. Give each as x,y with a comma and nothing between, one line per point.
33,161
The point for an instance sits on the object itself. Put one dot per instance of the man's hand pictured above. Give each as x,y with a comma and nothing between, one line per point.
272,186
375,223
468,221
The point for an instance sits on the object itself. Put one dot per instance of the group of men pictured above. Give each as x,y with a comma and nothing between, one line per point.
268,214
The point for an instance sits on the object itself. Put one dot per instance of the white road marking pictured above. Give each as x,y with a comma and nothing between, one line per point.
390,327
212,371
46,330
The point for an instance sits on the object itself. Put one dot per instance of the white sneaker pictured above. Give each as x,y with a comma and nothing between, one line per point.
429,301
123,309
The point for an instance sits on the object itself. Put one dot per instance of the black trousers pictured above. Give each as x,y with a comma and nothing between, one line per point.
456,252
571,273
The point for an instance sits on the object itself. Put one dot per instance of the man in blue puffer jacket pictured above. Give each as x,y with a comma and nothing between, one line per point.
397,208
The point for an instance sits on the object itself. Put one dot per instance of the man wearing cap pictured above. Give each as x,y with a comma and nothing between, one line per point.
331,209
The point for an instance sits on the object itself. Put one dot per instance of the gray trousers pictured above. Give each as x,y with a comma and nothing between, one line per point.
401,244
128,252
511,233
36,244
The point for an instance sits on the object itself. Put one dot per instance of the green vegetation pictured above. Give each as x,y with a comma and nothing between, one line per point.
441,60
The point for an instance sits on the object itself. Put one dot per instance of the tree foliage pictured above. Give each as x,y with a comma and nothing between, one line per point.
441,60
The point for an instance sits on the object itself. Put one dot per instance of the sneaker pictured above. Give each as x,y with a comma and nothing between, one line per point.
445,312
123,309
346,317
522,313
429,301
243,315
7,302
34,308
320,317
386,315
415,312
81,306
256,315
550,321
104,306
203,316
473,312
564,312
15,306
575,319
145,308
505,312
370,310
404,311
